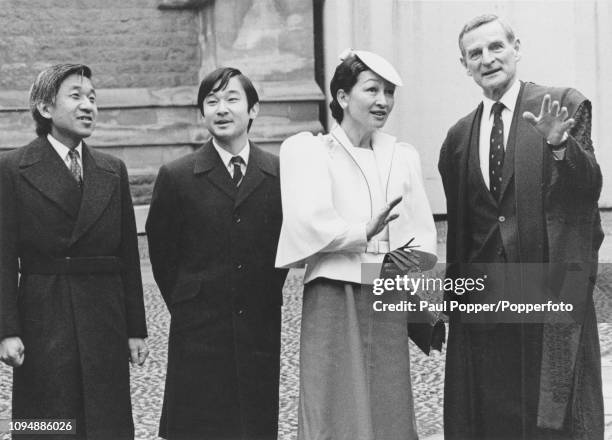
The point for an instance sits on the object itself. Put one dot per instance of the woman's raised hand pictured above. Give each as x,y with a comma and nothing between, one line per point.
382,218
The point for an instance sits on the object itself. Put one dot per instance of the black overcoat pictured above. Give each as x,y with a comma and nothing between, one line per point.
212,248
556,222
74,326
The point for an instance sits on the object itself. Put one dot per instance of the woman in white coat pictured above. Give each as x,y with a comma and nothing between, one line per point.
348,198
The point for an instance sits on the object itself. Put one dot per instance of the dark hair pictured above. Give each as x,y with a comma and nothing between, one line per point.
345,77
481,20
45,88
222,75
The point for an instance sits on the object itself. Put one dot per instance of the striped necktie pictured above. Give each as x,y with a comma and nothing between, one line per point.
237,161
75,167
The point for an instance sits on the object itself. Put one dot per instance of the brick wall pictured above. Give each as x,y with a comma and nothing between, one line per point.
127,43
145,63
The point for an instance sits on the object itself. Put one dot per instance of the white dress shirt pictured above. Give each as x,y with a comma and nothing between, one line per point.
63,151
226,157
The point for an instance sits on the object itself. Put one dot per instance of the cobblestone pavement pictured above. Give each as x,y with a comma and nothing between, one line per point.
427,373
148,381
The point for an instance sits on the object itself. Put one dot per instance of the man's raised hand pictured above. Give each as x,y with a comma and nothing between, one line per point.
552,122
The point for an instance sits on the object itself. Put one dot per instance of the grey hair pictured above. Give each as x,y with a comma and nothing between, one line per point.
481,20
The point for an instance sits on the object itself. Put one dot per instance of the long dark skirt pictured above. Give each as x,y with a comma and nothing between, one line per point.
354,367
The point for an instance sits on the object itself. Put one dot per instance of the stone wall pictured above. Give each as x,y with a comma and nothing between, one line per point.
127,43
148,57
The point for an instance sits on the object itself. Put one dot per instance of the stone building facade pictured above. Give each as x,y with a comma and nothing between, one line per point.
148,57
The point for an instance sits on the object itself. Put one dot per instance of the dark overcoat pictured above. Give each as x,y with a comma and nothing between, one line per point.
554,221
212,248
74,326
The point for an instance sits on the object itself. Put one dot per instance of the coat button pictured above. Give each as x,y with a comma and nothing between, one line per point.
237,220
240,312
501,218
239,266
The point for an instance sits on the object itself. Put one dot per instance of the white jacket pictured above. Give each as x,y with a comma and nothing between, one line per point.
327,202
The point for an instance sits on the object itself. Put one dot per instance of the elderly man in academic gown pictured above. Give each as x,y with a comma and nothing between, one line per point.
522,184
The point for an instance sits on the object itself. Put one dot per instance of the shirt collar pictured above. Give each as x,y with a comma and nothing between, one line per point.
379,138
226,156
63,150
508,99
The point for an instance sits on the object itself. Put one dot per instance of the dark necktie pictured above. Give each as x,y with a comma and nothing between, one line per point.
75,167
496,152
237,161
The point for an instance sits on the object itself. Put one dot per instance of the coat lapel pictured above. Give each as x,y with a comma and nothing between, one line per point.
474,156
517,125
42,167
461,155
259,165
384,150
99,183
208,161
342,139
528,169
